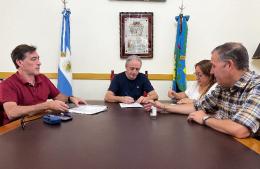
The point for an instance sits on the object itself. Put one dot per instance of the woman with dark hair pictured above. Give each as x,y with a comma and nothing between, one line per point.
205,83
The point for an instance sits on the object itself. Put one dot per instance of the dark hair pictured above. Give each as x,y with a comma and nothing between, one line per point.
19,53
205,66
234,51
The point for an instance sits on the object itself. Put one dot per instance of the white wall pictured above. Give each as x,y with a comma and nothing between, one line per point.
95,34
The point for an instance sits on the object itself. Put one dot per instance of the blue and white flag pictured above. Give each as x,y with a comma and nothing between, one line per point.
64,70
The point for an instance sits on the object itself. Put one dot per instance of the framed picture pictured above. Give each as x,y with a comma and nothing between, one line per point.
142,0
136,34
257,53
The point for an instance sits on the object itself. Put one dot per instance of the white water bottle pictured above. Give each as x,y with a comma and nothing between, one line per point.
153,114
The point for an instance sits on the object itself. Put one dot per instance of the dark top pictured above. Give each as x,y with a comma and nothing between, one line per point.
16,89
122,86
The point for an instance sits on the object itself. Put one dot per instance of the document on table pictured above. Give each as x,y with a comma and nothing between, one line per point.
88,109
131,105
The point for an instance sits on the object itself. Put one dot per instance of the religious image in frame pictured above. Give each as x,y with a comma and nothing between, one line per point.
136,34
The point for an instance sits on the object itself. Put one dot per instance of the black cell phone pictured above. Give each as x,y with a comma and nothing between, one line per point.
65,116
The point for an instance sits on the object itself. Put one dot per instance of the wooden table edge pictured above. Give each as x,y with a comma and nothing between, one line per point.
251,143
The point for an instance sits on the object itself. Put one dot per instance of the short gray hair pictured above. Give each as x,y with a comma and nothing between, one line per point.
133,57
234,51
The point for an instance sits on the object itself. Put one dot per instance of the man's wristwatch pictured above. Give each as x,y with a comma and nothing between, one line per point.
69,99
205,118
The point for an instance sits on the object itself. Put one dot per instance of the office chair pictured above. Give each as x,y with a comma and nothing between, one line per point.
1,107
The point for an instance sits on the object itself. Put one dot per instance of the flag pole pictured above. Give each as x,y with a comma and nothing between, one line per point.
181,8
64,3
179,71
64,68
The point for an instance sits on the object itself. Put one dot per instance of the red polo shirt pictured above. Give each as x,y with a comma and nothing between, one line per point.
16,89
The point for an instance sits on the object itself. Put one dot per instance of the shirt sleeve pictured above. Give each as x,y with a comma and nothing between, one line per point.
147,85
249,114
9,94
114,85
53,90
208,103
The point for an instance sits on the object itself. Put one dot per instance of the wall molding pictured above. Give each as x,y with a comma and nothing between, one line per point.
103,76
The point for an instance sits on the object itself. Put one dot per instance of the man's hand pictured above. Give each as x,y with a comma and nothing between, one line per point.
143,99
196,116
57,105
148,106
127,99
77,100
160,106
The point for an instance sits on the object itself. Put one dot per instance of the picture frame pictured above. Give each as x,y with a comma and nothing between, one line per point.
142,0
257,52
136,34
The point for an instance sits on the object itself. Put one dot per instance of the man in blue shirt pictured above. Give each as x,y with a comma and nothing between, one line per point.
129,86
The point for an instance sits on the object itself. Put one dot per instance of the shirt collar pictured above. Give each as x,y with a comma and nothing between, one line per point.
21,79
243,81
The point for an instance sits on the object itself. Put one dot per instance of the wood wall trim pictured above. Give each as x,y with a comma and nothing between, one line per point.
103,76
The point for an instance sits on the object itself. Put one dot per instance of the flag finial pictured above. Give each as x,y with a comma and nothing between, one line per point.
64,3
181,7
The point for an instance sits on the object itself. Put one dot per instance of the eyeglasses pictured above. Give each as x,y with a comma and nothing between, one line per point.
23,121
199,75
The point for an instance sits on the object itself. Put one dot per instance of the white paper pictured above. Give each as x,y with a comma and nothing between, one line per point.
88,109
131,105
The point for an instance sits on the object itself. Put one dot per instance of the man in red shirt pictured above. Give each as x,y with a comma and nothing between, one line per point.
27,91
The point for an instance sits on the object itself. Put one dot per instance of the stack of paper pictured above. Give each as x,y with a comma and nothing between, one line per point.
132,105
88,109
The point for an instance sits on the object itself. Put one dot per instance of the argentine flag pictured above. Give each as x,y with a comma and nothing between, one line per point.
64,70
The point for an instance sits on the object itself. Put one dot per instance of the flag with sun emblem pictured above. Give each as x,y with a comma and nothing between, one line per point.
179,83
64,70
